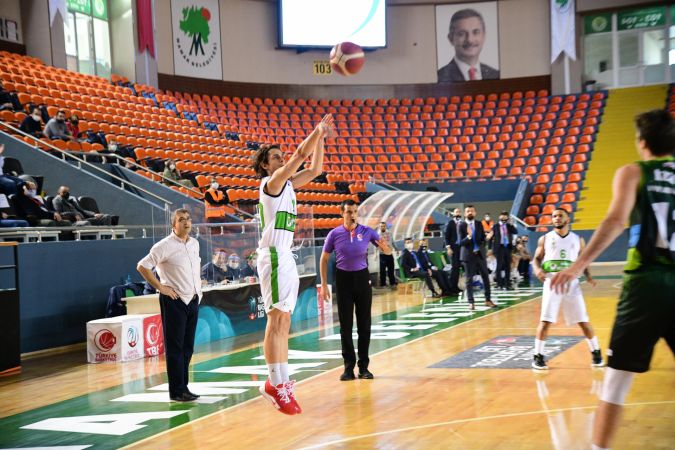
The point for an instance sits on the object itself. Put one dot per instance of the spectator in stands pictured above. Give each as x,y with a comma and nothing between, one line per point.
124,151
73,126
487,222
502,246
436,272
129,164
386,261
9,184
9,100
412,268
32,124
233,272
70,208
452,244
172,173
251,268
467,36
214,203
7,222
31,207
524,258
214,272
56,128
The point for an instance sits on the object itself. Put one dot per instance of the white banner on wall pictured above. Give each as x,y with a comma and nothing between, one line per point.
197,48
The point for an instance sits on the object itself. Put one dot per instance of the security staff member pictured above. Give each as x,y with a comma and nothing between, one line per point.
176,259
214,203
452,244
350,243
472,254
502,247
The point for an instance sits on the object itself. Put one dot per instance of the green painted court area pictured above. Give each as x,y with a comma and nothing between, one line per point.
133,411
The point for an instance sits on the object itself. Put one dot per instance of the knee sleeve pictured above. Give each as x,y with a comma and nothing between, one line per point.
616,385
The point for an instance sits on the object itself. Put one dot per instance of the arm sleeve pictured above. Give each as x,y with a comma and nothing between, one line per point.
57,203
153,258
329,245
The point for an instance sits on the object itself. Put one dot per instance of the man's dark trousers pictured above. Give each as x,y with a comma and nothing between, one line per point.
179,322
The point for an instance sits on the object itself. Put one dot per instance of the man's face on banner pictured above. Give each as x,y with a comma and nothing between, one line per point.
467,37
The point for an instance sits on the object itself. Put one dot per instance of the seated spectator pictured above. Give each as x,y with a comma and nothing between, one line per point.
412,268
70,209
251,268
9,184
7,222
125,151
9,100
129,164
214,272
56,128
233,272
437,273
172,173
524,258
31,207
32,124
74,127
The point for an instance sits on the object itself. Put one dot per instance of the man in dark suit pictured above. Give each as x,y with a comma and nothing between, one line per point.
502,246
472,254
452,245
467,36
412,268
428,267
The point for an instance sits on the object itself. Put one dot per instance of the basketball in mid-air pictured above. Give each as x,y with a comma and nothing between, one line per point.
347,58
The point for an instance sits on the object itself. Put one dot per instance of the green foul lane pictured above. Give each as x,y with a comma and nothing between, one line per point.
133,411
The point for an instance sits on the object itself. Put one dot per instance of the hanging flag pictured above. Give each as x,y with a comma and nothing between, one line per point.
57,6
563,29
146,35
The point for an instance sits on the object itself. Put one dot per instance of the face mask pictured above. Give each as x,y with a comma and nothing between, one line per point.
234,265
65,194
61,120
112,147
503,220
458,218
37,117
487,218
75,122
423,248
409,247
172,167
214,185
32,192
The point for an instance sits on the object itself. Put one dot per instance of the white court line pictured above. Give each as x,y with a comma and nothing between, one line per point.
473,419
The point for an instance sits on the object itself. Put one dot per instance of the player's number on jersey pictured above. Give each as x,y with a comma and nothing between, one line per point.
563,254
661,213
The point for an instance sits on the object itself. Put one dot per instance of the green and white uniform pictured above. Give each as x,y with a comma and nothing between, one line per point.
559,253
279,280
646,309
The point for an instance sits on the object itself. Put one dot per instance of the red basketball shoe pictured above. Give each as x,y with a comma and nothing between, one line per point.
290,387
280,397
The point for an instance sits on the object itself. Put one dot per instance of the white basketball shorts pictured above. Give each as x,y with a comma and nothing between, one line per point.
279,280
572,303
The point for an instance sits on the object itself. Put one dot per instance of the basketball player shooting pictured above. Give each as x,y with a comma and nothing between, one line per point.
279,281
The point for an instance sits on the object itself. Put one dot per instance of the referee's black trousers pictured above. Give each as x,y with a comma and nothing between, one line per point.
354,293
179,322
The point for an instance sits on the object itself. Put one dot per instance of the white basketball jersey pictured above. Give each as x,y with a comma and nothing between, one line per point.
560,252
277,217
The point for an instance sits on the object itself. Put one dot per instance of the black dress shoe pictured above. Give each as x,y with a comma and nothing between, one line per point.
184,397
192,394
364,374
490,304
347,375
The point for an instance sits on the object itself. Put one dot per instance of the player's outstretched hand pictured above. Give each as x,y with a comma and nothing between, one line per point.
327,126
561,280
592,281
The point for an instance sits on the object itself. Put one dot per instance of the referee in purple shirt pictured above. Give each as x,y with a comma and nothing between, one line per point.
352,279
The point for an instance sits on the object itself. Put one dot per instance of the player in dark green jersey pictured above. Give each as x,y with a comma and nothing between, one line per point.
643,192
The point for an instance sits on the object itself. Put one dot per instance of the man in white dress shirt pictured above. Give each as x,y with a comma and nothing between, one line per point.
176,259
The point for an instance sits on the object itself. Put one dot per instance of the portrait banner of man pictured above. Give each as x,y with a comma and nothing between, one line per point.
467,42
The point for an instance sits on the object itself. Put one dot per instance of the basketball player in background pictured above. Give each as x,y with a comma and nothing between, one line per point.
557,250
643,192
279,281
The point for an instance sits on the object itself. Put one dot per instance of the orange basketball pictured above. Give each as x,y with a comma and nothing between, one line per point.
347,58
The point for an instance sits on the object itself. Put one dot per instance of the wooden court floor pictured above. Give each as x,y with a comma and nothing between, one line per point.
408,405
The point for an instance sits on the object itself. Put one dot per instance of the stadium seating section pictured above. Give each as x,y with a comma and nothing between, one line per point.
547,139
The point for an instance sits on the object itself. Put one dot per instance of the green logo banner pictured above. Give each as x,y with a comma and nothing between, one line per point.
642,18
100,9
81,6
598,23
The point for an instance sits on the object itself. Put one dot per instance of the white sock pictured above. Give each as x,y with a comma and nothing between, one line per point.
275,373
539,347
593,343
284,371
595,447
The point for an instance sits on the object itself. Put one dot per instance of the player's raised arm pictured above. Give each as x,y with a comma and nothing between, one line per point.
303,177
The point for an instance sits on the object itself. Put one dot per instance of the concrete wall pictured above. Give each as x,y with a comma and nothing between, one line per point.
249,40
122,38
